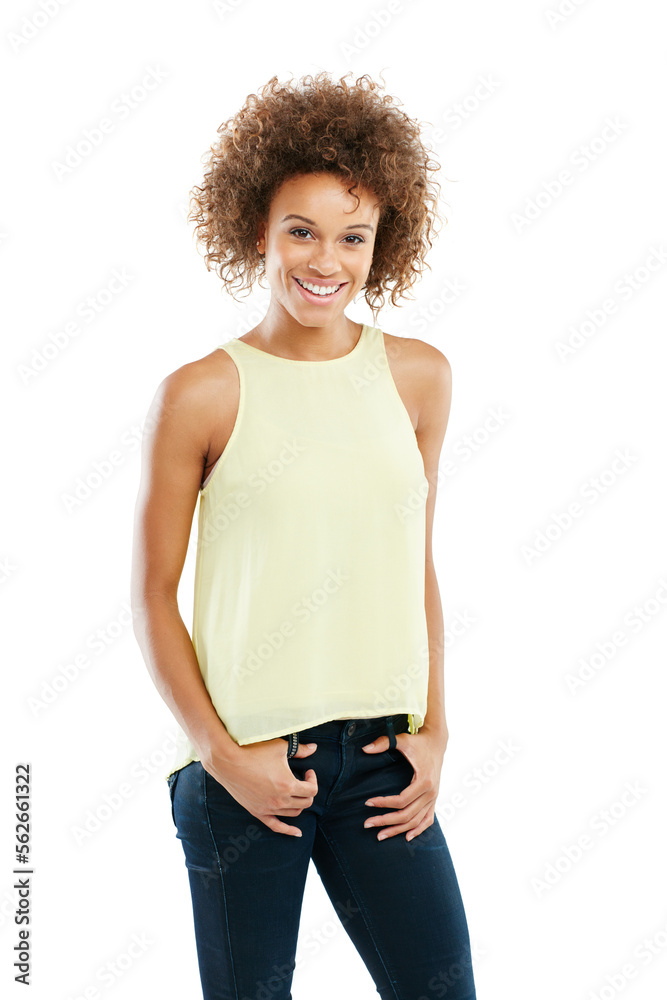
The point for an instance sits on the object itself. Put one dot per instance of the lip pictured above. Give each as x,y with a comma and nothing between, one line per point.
320,299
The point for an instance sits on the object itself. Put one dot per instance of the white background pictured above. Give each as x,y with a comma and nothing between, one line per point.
535,94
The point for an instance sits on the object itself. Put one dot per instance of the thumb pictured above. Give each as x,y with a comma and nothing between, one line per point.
378,745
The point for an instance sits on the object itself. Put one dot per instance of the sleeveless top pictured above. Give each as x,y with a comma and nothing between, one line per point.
309,577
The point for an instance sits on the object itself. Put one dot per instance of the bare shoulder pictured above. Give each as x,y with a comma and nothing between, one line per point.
198,381
425,376
417,353
194,391
419,363
196,403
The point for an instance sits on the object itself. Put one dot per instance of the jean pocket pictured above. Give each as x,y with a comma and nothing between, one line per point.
171,781
394,756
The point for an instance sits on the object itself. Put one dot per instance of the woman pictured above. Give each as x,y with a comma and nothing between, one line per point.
311,696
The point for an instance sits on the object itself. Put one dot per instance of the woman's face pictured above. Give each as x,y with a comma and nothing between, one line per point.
316,233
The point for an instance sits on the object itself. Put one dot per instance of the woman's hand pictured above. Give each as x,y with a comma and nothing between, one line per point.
259,777
416,803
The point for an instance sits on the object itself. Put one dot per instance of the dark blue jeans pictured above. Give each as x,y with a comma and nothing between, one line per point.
399,901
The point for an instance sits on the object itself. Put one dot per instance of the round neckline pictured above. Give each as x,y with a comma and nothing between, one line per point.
299,361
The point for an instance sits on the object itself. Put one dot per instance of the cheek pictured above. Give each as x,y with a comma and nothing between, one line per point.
365,263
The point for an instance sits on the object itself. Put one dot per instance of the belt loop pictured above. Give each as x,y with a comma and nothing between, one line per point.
293,744
390,731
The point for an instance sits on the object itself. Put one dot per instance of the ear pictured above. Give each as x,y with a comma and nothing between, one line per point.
261,237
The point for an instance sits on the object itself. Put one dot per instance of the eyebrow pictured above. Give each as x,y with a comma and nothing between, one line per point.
360,225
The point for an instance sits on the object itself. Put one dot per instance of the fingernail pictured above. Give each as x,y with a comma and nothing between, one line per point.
369,746
369,803
299,834
311,746
381,836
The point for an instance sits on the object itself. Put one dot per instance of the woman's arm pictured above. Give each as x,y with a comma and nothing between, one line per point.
174,449
431,428
258,775
414,807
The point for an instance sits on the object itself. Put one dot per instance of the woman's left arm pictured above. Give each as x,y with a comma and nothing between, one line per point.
431,427
415,806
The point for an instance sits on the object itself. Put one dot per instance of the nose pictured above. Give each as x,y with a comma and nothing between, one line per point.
324,260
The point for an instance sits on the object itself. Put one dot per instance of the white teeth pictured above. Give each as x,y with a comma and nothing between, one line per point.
319,289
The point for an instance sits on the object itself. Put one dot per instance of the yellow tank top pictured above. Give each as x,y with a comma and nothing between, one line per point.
309,576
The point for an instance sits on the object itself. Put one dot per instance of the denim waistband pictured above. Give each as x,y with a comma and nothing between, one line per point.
353,729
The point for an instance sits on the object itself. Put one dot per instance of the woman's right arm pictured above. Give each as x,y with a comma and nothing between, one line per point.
174,449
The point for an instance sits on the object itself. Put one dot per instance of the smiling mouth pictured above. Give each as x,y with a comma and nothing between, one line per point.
323,295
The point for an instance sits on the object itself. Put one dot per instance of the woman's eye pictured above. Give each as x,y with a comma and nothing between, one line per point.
351,236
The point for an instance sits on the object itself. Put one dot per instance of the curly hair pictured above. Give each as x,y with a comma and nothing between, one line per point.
316,126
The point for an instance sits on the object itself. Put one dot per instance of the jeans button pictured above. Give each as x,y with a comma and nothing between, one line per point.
350,729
